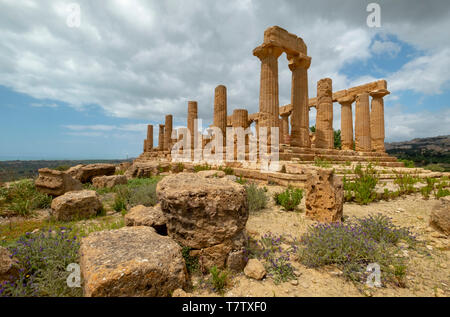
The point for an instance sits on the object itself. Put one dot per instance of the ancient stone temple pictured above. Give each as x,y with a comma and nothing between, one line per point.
362,139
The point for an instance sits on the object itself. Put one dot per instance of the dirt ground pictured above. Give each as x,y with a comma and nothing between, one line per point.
427,275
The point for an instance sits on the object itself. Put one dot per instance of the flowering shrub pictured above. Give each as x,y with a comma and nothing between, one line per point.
43,259
352,246
276,259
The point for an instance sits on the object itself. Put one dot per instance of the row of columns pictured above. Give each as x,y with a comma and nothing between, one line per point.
369,121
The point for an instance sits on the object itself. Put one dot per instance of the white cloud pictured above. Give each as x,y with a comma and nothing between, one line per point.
429,74
144,59
386,47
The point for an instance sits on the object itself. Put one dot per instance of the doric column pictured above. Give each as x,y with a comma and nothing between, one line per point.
268,92
161,137
149,145
168,133
362,123
299,99
346,122
377,119
220,109
145,146
192,115
324,121
284,129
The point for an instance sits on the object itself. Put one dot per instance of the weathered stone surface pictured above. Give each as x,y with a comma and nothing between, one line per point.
377,119
131,261
202,212
324,125
211,174
122,167
180,293
85,173
192,115
362,123
146,169
56,183
214,256
109,181
220,109
324,196
236,260
440,215
9,269
76,205
147,216
255,269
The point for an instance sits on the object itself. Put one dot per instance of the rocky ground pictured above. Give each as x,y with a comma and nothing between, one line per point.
428,271
427,275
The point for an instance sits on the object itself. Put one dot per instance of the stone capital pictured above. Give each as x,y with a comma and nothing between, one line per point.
349,99
266,50
285,114
380,93
299,61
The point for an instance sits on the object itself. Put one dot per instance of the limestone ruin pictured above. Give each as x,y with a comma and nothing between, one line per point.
362,140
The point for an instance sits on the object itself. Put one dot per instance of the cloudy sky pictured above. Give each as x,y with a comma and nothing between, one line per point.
89,91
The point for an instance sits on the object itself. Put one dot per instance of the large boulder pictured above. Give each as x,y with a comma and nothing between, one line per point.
206,214
109,181
324,196
147,169
147,216
56,183
85,173
131,261
9,269
77,205
202,212
440,215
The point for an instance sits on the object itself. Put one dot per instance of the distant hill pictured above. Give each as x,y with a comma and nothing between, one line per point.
14,170
423,151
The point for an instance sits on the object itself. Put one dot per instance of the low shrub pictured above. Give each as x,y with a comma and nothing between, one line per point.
22,198
228,170
198,168
62,168
289,199
405,183
362,188
256,197
241,181
355,244
43,259
324,163
192,264
178,168
143,195
408,163
276,259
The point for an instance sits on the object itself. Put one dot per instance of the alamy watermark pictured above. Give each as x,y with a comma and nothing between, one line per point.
73,19
374,278
241,145
374,18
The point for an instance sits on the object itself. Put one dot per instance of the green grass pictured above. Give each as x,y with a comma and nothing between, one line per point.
362,188
198,168
324,163
22,197
219,279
